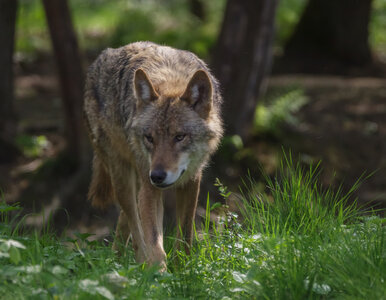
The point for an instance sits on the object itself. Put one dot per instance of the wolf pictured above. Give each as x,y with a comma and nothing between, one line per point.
153,115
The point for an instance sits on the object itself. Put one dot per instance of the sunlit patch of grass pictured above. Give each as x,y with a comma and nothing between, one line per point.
296,241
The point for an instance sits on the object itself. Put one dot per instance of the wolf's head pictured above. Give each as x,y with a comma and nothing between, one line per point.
175,128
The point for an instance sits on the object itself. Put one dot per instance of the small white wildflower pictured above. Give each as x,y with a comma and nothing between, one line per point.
30,269
115,278
85,284
58,270
92,287
238,290
12,243
38,291
257,236
321,289
255,282
251,260
238,245
239,277
101,290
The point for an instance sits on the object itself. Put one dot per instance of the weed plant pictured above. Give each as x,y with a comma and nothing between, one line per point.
296,241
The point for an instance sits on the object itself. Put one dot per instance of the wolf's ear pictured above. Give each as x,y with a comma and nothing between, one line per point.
143,88
198,94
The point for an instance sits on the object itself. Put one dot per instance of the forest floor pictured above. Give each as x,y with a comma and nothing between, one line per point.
342,124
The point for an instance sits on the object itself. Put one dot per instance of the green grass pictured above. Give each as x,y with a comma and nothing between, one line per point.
295,241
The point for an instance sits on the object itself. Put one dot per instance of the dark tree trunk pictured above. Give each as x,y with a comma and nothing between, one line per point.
8,10
242,59
198,9
333,29
70,72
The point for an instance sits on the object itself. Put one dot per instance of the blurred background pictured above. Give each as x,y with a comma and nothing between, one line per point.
300,76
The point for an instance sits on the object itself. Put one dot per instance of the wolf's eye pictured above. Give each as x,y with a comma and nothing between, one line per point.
179,137
149,138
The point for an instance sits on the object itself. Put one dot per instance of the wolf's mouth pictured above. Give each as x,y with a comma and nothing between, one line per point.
163,186
166,185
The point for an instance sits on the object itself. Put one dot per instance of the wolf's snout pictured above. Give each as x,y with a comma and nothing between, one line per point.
158,176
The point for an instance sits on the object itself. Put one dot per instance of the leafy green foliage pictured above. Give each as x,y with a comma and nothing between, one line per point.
287,17
31,31
32,146
377,26
271,115
170,23
103,23
10,248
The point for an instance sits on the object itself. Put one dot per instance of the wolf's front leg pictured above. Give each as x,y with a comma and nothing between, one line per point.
151,213
124,183
187,197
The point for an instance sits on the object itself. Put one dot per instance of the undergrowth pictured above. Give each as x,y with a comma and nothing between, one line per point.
296,241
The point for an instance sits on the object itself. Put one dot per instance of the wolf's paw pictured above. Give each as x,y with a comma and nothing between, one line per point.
158,259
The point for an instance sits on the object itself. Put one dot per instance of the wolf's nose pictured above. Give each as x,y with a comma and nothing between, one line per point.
158,176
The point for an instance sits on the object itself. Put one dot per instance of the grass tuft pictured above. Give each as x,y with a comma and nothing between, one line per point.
296,203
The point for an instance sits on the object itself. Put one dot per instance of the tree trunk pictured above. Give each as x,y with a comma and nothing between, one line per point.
197,8
242,59
333,29
8,10
70,73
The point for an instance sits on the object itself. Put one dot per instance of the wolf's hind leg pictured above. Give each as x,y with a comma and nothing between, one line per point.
122,231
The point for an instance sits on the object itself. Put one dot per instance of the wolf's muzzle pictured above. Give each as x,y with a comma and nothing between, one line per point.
157,177
162,179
